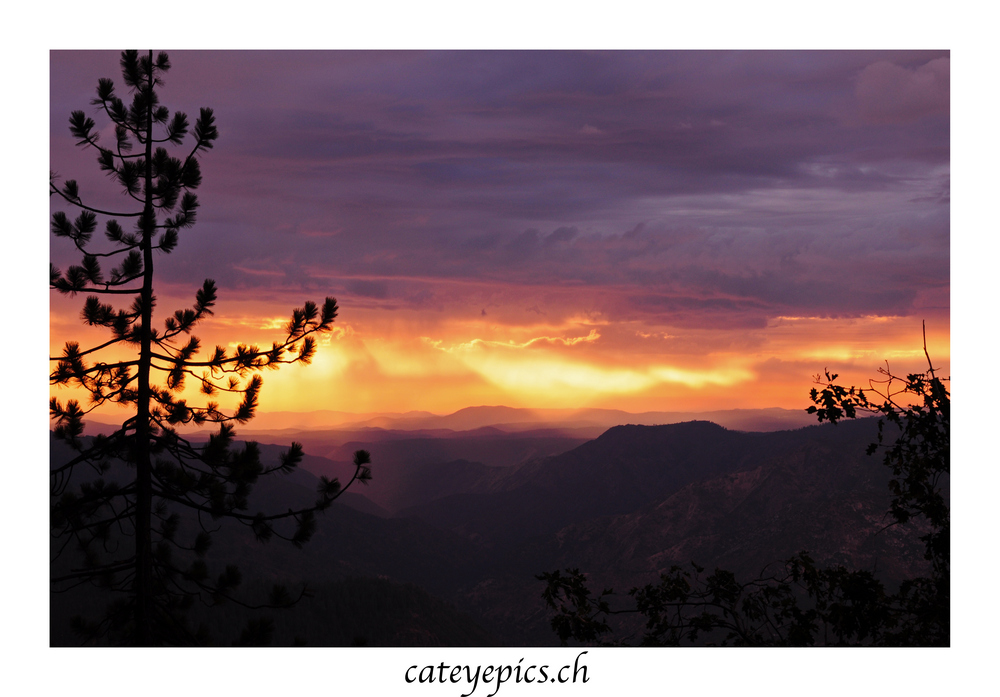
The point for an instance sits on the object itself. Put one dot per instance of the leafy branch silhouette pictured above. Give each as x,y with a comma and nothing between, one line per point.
797,602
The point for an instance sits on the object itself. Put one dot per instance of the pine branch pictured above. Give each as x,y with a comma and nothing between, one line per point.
53,189
90,573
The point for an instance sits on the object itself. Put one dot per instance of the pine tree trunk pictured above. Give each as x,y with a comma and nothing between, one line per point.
144,484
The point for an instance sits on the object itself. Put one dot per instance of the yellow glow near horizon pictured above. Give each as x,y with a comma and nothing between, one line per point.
719,376
536,374
401,361
540,375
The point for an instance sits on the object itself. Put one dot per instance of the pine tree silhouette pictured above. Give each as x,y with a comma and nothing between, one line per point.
125,536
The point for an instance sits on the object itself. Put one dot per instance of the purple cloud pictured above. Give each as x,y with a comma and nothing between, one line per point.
890,93
692,186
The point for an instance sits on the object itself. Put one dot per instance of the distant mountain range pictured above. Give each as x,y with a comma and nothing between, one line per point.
585,423
471,516
510,419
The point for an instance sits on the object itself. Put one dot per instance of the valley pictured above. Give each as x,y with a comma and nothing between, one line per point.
455,525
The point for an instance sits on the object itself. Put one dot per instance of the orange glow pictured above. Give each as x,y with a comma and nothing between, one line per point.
623,230
407,360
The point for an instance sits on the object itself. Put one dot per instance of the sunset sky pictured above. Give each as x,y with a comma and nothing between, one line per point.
634,230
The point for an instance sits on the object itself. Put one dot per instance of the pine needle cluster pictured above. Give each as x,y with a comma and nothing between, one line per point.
123,532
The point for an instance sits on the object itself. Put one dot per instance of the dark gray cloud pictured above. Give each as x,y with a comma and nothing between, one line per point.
759,184
369,289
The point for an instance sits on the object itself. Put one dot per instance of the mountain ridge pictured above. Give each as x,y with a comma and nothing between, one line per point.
623,507
503,418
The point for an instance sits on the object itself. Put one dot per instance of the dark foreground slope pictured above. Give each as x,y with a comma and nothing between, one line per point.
369,579
638,500
623,507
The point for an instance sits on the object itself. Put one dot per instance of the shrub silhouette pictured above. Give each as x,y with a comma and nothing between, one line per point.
803,604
